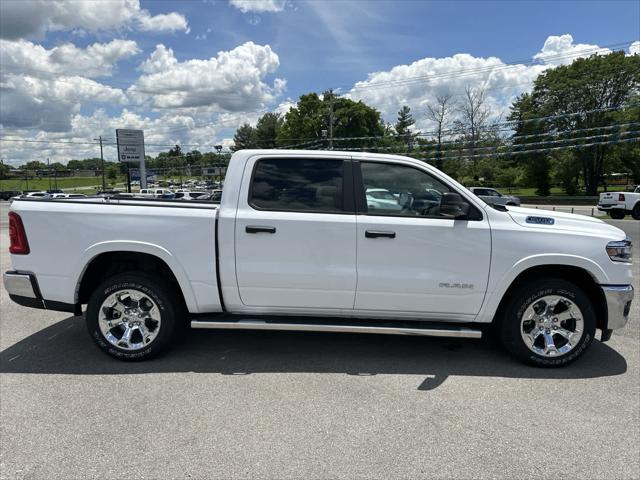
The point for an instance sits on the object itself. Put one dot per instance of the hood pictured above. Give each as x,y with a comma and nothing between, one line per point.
550,220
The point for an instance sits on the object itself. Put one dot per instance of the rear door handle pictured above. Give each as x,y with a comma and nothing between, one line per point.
257,229
379,233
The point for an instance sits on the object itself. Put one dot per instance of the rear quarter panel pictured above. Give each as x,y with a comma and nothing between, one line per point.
65,236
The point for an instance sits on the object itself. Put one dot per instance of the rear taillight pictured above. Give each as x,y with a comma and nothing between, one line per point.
17,236
621,197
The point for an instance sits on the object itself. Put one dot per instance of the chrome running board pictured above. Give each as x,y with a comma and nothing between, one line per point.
439,331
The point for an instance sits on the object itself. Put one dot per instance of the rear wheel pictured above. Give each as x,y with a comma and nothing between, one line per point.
616,214
635,213
133,316
548,323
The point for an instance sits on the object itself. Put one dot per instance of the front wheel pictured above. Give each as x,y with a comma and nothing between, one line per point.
616,214
547,323
133,316
635,213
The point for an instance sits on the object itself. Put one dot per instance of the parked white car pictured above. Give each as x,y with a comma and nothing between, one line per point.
68,195
382,198
293,245
32,195
619,204
186,195
152,192
494,197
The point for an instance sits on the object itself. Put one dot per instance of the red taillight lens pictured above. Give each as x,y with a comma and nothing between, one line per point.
17,235
621,197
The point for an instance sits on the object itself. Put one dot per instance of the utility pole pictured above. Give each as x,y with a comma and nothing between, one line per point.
104,184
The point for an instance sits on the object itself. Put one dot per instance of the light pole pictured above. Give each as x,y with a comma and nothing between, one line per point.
49,168
218,150
104,184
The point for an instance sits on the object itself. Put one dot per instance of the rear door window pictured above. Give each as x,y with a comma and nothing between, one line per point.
292,184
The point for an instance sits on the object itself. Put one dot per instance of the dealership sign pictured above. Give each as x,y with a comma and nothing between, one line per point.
130,145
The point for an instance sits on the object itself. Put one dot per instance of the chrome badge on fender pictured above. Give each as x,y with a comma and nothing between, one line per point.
541,220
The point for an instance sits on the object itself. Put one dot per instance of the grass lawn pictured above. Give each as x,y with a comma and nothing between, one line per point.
81,184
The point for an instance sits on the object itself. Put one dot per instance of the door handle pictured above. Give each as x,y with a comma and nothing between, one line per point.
255,229
379,233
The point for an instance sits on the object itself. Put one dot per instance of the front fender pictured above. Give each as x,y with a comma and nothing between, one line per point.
141,247
502,284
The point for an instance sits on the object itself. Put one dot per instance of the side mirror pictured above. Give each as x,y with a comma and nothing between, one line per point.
452,205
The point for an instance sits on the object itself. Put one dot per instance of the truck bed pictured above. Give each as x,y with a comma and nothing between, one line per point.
180,233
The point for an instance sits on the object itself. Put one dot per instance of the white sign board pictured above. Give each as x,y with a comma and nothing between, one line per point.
130,145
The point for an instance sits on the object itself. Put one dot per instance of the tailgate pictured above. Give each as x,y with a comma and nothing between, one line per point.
608,198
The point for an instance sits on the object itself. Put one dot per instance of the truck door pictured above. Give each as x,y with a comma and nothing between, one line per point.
411,258
295,233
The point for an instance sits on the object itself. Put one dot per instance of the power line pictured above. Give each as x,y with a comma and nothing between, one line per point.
539,150
459,131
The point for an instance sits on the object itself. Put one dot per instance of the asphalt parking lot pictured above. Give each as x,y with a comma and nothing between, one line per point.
302,405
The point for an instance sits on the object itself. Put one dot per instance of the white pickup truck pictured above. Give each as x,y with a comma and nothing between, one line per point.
619,204
294,245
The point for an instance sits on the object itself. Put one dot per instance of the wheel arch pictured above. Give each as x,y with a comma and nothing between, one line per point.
579,276
101,263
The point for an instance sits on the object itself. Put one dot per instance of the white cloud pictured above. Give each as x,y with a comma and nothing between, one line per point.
634,48
161,60
233,80
170,22
560,50
258,6
96,60
28,19
161,133
420,82
48,104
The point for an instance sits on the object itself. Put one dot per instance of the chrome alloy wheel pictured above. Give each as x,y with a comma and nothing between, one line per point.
552,326
129,319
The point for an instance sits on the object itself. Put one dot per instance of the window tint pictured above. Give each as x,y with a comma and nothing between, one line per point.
298,184
401,190
179,195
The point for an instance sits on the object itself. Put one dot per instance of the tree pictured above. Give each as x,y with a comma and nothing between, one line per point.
175,151
440,113
4,170
112,173
474,115
244,138
403,126
267,128
592,87
537,165
312,115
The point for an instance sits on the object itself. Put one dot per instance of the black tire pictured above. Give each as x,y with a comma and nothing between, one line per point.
616,214
168,305
509,326
635,213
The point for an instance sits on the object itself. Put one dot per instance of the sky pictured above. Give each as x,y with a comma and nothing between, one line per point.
190,72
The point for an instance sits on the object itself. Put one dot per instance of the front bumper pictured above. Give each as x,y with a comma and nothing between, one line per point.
23,289
618,299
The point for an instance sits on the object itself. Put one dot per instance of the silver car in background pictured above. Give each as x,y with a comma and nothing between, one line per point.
494,197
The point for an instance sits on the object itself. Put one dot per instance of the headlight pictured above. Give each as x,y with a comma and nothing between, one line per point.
620,251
